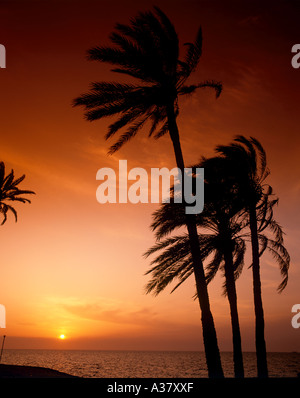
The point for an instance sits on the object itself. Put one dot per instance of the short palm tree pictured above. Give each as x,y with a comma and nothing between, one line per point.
225,248
9,192
148,51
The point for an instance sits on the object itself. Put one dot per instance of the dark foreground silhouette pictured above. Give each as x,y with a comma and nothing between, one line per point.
17,371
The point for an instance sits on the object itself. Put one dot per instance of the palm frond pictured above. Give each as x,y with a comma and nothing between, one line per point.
250,153
217,86
239,256
167,218
162,131
193,53
130,133
263,159
125,119
104,92
17,181
157,117
282,257
3,211
165,243
175,261
8,181
9,192
183,277
213,266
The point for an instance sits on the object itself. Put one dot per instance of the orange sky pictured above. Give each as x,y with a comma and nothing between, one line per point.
73,266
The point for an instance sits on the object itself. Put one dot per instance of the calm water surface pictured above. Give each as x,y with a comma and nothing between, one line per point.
127,364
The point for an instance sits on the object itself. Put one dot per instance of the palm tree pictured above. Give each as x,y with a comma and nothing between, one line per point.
9,192
246,160
224,217
227,249
223,243
148,51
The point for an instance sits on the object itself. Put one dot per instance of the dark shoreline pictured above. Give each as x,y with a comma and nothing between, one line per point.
18,371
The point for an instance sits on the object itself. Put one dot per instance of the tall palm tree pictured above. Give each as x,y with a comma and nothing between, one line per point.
9,192
148,50
246,160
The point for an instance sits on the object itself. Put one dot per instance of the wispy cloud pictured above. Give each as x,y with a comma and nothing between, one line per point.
57,173
105,310
115,314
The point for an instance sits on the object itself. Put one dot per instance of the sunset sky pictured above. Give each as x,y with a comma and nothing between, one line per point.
75,267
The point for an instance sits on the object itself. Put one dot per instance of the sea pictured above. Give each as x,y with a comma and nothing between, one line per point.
146,364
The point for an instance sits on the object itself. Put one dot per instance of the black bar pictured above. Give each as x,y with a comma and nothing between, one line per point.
141,387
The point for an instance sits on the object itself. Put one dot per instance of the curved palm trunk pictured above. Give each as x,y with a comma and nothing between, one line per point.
261,353
212,352
232,298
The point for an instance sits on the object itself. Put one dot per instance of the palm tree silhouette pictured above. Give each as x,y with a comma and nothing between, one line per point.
224,243
9,192
228,224
227,249
245,159
148,50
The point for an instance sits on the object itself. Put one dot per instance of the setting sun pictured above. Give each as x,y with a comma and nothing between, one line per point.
62,336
